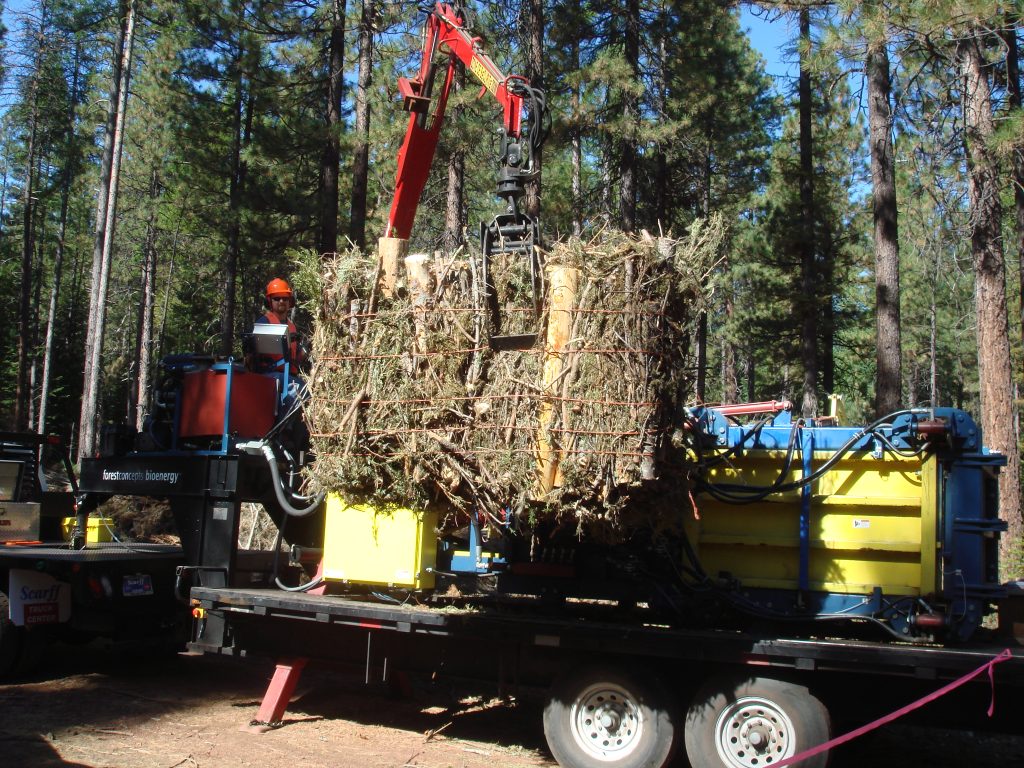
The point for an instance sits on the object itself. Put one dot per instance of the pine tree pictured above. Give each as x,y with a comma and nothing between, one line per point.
888,350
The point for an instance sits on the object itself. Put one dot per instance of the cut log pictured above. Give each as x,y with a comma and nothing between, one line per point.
561,301
390,251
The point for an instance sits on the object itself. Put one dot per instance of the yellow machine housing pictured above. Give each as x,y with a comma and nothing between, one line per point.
393,547
873,524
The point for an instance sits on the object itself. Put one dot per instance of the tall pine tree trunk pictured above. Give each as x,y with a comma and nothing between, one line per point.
627,141
144,322
361,151
808,282
37,270
67,177
1013,90
888,352
105,241
23,392
89,408
455,209
662,194
241,130
575,138
994,363
329,167
701,340
730,381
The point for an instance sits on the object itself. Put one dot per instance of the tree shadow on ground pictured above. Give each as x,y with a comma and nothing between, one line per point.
457,709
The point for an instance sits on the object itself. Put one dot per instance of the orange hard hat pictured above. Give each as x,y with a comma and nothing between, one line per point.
279,287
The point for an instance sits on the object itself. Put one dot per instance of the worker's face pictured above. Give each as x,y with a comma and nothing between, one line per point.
280,305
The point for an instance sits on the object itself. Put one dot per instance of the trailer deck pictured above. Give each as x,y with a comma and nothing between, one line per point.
276,613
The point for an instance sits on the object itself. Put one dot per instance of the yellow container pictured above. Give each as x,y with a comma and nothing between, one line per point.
394,547
98,529
872,524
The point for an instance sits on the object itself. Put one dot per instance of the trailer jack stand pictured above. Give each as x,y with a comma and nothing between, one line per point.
279,693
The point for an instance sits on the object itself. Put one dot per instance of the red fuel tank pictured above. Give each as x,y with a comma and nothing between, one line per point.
203,398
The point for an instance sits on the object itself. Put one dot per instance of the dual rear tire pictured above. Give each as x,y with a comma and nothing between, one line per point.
611,717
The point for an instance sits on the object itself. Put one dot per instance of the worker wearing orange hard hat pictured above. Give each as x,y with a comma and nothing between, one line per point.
280,300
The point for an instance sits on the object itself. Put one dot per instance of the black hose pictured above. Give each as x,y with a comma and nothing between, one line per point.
749,494
730,493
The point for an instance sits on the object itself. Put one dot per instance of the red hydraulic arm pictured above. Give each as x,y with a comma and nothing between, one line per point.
445,33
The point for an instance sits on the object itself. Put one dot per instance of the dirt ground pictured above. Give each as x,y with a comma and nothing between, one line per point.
103,710
189,711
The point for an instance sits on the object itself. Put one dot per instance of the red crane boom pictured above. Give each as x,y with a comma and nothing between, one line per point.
524,128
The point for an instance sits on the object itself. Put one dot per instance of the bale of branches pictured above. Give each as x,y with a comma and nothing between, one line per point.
412,405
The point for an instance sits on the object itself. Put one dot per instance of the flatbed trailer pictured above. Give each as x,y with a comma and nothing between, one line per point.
619,692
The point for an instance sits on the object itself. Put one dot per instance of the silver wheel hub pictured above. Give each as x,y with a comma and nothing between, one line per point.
754,733
606,722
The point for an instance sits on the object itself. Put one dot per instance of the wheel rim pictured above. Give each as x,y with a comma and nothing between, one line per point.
606,722
753,733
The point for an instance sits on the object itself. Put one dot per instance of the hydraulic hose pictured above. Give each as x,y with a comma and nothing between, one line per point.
286,505
747,494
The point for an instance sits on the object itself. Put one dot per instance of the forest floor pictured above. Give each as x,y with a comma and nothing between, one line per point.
98,709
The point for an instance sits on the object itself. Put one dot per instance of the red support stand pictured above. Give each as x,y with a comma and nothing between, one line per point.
279,692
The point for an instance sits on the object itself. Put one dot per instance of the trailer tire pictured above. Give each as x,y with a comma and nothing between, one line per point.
11,639
754,722
607,717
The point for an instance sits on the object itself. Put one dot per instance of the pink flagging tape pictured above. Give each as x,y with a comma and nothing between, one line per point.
986,667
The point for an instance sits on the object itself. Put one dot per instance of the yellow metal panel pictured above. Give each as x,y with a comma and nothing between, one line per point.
872,525
929,526
895,528
388,547
840,572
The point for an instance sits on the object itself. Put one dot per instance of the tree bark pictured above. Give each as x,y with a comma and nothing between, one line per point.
105,235
808,282
361,151
994,363
888,352
329,168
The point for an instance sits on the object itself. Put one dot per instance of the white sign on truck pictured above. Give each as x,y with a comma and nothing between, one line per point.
37,598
